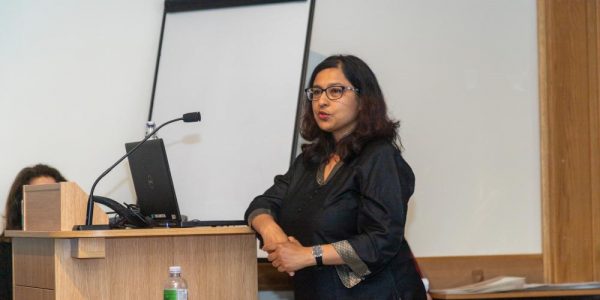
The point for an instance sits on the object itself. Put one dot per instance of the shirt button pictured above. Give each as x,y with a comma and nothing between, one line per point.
299,209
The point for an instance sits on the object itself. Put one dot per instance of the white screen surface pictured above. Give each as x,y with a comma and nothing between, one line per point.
243,77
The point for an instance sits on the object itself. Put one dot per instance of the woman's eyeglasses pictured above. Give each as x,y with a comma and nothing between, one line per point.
332,92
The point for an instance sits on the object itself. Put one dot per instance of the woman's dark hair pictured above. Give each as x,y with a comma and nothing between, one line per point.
15,196
372,123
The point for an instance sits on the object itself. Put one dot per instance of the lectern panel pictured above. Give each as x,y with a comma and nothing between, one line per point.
41,207
218,263
138,266
33,261
23,292
232,257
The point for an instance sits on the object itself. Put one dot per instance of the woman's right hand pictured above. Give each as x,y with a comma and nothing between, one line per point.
269,230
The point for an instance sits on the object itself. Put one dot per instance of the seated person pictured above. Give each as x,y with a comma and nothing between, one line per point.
36,175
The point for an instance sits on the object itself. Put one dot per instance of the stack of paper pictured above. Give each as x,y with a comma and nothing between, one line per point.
563,286
496,284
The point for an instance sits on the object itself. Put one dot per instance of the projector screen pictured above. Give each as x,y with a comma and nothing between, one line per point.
244,78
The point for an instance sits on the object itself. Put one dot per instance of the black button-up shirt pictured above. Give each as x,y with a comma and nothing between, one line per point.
363,204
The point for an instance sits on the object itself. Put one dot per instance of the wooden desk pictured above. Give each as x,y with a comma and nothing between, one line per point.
217,262
521,294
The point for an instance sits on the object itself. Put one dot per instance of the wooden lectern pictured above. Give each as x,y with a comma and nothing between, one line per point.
50,261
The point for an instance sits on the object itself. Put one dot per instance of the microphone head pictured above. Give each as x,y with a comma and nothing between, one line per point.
192,117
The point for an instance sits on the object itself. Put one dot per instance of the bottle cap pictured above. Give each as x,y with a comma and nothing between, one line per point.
175,269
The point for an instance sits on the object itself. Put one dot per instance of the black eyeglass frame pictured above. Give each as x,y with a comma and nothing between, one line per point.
327,91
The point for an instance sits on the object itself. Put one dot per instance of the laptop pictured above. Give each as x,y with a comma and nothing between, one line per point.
155,190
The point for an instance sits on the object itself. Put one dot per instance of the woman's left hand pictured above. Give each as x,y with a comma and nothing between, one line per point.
290,256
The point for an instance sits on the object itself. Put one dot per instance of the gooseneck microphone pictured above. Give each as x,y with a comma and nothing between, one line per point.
189,117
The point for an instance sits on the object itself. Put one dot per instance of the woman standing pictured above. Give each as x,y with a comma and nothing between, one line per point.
335,220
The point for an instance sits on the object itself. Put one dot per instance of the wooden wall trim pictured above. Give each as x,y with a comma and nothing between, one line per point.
568,77
544,140
595,140
442,272
451,271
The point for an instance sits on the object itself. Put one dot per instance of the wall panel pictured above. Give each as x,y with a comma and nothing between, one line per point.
569,137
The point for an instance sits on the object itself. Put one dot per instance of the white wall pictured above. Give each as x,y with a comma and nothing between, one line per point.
461,76
75,84
76,77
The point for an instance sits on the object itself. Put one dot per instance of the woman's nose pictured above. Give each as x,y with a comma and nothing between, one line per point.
323,100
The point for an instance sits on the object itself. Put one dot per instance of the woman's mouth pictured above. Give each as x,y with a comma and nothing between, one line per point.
323,116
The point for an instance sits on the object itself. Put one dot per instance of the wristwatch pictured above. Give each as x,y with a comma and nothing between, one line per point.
317,252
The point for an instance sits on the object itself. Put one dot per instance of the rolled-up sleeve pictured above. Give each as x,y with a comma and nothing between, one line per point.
354,269
255,213
270,201
385,182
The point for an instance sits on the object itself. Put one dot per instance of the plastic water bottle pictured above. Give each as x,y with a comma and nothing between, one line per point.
175,286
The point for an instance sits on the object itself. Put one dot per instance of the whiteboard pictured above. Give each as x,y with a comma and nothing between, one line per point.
461,76
241,68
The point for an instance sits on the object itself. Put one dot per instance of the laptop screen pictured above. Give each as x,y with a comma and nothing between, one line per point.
153,183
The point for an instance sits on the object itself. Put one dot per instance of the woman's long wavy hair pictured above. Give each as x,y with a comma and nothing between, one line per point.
15,196
372,123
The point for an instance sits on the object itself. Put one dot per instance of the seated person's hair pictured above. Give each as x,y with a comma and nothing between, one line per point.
14,200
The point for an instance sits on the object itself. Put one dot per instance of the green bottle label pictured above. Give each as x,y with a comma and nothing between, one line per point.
175,294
